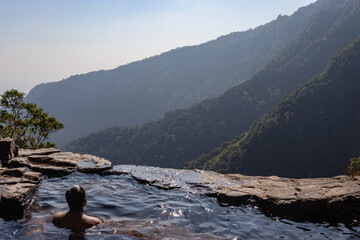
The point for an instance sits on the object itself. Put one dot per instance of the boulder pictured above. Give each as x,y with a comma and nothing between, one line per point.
8,149
17,188
15,199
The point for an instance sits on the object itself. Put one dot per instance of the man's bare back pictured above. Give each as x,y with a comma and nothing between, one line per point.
76,222
75,219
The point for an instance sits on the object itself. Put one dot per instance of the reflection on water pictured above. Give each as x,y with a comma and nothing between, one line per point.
137,211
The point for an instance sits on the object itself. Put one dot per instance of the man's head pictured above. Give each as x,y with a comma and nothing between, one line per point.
76,198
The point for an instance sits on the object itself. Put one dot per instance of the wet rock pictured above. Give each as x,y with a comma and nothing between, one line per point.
155,183
92,164
17,188
8,150
312,199
15,199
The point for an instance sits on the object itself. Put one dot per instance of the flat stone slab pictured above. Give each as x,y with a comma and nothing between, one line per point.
42,151
311,199
54,163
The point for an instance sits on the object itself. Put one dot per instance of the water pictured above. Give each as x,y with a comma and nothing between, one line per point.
131,210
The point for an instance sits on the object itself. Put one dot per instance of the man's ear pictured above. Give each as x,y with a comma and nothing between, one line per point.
84,202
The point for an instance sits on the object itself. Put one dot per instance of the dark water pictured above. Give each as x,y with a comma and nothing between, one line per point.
131,210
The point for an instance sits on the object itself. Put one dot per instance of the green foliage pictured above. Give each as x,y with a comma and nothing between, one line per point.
309,133
27,124
354,168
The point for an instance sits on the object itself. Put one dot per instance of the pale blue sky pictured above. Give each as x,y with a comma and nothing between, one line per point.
49,40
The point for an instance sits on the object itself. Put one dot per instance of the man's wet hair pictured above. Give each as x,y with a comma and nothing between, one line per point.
75,197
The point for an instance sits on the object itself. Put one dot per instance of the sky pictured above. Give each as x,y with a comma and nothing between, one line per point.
50,40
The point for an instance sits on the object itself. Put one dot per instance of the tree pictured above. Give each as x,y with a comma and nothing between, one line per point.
27,124
354,168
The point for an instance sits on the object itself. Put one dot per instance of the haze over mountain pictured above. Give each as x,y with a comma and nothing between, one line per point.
43,41
314,131
142,91
183,135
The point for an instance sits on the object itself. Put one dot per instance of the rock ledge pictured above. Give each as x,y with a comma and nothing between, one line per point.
312,199
21,172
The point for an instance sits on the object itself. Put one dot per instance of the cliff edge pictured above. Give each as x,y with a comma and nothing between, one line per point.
335,199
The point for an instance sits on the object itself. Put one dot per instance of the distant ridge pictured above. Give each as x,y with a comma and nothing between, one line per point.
142,91
184,135
314,131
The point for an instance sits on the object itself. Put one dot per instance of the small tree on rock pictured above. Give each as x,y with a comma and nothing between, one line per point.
27,124
354,168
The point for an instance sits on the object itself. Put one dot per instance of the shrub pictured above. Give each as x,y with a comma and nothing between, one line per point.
354,168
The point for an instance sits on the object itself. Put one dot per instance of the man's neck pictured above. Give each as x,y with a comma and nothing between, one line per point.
76,211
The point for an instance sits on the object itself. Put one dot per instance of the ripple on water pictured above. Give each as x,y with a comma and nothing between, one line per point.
137,211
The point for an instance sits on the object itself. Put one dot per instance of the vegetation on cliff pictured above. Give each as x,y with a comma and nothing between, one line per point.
312,132
27,124
143,91
354,168
183,135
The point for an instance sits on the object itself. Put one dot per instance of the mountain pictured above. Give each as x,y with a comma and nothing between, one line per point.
183,135
314,131
142,91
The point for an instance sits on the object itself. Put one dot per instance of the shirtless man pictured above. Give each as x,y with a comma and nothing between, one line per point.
75,219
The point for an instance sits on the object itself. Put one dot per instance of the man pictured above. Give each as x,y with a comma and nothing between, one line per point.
75,219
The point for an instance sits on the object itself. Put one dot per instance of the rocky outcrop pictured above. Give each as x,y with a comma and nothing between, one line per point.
312,199
22,172
17,188
54,163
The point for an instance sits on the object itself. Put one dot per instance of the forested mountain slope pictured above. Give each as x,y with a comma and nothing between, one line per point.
183,135
142,91
314,131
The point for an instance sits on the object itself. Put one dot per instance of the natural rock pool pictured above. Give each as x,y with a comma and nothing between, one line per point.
133,210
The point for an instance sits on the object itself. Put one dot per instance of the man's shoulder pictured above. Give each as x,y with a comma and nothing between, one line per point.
58,217
91,221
